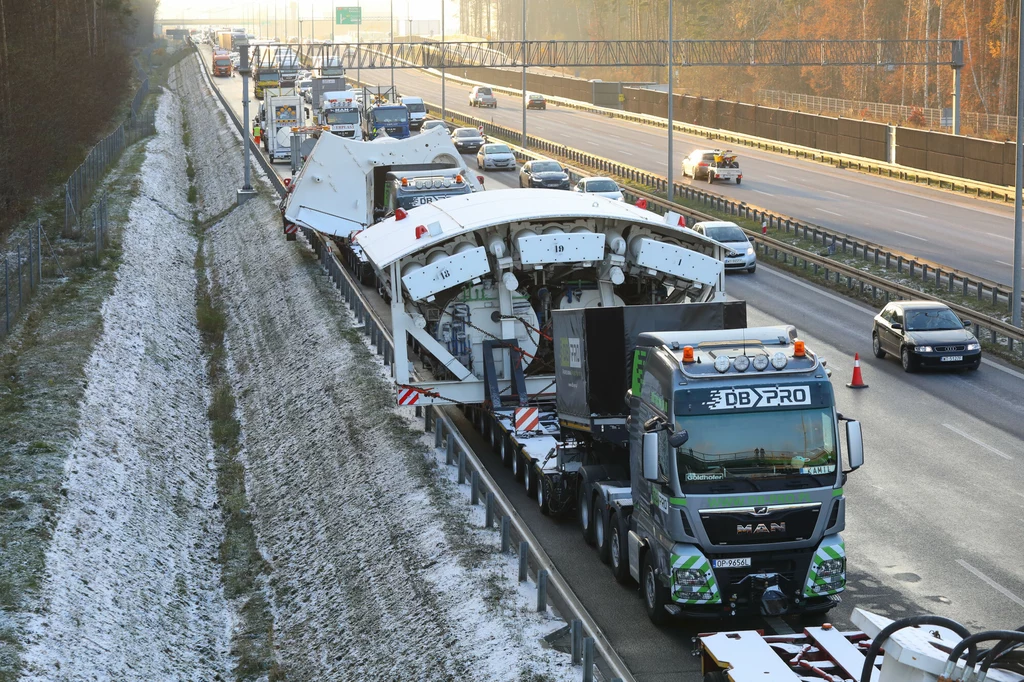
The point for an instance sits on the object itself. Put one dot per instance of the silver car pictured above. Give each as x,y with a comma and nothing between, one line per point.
482,96
495,156
744,257
604,187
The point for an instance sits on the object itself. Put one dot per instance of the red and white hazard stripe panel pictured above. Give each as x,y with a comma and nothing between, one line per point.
408,396
527,419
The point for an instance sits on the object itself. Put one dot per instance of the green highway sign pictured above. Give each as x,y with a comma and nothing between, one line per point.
348,15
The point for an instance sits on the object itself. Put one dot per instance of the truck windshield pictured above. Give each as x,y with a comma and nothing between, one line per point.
269,75
391,115
415,107
338,117
223,62
757,451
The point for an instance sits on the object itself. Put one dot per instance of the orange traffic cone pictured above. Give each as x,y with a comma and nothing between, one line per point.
858,380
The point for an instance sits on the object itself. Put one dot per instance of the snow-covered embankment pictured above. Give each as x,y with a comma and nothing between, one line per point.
132,588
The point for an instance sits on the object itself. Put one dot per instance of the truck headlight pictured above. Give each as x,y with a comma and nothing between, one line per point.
689,578
832,568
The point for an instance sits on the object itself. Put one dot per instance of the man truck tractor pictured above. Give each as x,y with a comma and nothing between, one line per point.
706,458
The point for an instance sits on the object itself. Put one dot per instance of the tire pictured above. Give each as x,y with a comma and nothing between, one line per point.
711,178
518,465
908,361
602,541
507,451
619,550
532,480
975,366
652,592
876,346
544,495
716,676
751,269
585,515
738,180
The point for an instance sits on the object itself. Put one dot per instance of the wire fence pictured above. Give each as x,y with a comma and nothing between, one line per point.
32,257
980,124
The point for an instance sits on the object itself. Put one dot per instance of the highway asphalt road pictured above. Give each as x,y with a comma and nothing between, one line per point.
931,518
974,236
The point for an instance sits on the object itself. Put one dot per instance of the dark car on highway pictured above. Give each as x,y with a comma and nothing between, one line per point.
543,173
924,334
467,140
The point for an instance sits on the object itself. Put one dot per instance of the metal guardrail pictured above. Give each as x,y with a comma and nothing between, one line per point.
380,337
987,328
956,184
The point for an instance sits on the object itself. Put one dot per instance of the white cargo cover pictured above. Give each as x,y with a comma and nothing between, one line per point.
391,240
334,190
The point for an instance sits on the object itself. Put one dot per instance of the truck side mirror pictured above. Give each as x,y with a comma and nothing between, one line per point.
854,445
651,456
677,439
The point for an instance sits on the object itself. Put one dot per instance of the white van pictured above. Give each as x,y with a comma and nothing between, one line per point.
417,111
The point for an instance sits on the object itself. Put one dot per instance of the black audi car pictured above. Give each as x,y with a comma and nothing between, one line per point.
467,140
543,173
924,334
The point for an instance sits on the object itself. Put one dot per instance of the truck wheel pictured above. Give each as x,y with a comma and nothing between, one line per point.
619,550
653,591
711,178
544,495
517,465
602,534
716,676
532,476
583,508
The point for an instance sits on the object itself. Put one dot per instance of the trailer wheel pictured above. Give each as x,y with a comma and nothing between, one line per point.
602,535
583,508
653,591
507,451
517,465
619,550
532,476
544,494
716,676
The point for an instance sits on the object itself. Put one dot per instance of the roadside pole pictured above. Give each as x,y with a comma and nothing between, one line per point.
523,143
444,110
246,192
1018,256
671,162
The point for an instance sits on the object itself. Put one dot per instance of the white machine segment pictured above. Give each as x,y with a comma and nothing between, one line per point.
747,657
445,273
678,262
541,249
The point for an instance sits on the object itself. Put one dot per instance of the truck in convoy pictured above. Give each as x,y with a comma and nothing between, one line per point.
224,40
321,196
288,64
238,38
265,74
329,66
320,86
406,188
282,110
388,119
220,64
417,111
339,111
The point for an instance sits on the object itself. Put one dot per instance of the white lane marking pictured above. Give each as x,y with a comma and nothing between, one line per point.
780,626
978,442
775,177
916,215
912,236
825,210
850,304
999,236
992,583
764,193
845,196
646,144
1002,262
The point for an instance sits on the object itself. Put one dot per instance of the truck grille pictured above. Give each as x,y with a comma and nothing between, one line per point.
739,527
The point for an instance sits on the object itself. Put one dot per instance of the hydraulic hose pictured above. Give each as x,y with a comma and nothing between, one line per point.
895,626
988,635
995,652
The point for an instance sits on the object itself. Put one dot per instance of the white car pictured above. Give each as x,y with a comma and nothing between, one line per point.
496,156
604,187
744,257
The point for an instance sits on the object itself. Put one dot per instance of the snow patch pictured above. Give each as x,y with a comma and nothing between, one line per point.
132,587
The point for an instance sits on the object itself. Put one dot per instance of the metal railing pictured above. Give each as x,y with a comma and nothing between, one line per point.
987,328
892,113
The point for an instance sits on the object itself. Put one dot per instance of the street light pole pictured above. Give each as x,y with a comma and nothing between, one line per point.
523,144
1018,256
444,112
670,190
391,33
